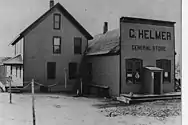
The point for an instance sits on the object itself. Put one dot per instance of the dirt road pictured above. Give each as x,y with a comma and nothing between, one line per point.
66,110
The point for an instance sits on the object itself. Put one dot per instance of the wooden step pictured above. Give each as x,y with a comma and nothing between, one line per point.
131,99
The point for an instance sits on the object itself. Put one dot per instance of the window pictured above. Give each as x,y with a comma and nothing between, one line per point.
57,21
77,45
166,66
51,70
129,71
57,45
72,70
133,70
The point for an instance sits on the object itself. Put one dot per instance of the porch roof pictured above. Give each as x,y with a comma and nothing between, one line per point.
17,60
153,68
3,59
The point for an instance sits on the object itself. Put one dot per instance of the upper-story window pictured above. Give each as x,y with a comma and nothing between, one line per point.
57,45
77,45
19,47
57,21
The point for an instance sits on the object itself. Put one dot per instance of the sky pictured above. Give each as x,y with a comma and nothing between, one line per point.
16,15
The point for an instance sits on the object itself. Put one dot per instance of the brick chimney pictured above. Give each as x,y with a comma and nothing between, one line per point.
105,27
51,3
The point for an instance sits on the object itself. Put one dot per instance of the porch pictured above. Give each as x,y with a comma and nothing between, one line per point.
133,98
14,68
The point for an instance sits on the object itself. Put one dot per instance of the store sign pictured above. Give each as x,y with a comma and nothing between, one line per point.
149,34
148,48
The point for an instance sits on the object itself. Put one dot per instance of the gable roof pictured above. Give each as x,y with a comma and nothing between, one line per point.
41,18
107,43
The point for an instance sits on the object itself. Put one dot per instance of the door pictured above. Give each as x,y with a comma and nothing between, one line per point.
157,82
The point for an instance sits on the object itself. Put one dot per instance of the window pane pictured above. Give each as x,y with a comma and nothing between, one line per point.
129,80
56,41
56,25
57,49
138,65
57,18
51,70
129,64
57,21
159,64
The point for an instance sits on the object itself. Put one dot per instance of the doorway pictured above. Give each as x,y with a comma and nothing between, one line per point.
157,82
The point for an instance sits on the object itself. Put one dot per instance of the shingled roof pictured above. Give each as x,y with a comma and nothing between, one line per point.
107,43
65,13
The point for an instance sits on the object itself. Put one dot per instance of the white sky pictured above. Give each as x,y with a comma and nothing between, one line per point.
16,15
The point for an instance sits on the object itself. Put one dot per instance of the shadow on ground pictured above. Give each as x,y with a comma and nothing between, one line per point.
109,103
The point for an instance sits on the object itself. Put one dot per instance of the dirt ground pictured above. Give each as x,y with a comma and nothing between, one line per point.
57,109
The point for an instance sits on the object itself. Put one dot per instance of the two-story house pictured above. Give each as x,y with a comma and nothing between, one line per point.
51,49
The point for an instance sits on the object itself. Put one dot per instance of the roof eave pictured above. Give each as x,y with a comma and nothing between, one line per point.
86,34
16,40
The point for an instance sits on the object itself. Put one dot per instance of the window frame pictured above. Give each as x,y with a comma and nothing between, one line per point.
56,45
73,76
54,22
76,50
133,70
51,77
161,63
